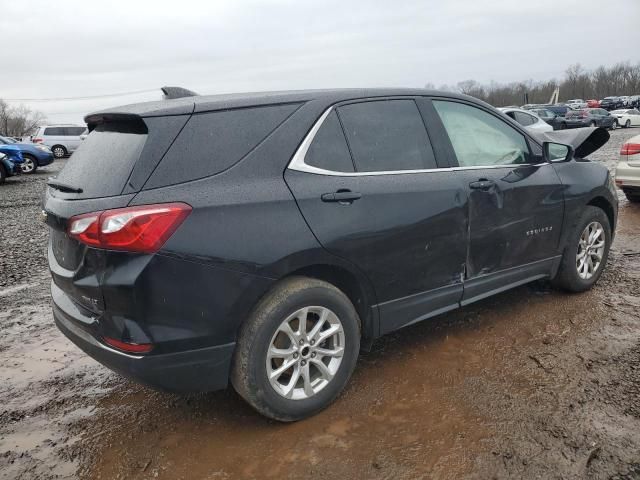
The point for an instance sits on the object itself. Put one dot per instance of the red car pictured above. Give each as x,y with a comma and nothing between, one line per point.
593,103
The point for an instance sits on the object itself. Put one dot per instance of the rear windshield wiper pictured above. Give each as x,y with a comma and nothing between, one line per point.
63,187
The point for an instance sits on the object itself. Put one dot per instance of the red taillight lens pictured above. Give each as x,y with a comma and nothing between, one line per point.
128,347
141,229
36,140
630,149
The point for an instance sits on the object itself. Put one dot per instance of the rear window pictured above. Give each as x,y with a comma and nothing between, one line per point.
103,162
215,141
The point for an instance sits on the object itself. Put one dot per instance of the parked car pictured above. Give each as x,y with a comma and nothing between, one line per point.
556,121
628,169
593,103
634,101
560,110
265,238
61,139
34,155
627,118
591,117
625,100
10,160
527,119
611,103
576,104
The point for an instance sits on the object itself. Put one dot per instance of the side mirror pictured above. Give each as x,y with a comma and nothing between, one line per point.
557,152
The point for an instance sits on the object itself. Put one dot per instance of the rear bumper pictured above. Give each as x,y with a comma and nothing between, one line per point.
627,176
199,370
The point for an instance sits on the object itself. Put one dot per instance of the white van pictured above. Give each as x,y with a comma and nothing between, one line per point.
61,139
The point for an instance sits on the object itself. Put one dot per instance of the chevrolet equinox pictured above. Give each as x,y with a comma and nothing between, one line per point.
263,239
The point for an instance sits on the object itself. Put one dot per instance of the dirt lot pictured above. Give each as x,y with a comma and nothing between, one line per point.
529,384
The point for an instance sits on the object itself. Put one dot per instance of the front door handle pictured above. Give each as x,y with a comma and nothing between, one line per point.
482,184
342,196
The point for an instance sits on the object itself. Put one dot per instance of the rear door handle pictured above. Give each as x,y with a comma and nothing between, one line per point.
482,184
346,196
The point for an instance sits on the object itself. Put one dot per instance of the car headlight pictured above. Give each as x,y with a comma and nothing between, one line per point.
44,148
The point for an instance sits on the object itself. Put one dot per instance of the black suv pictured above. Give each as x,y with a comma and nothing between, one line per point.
266,238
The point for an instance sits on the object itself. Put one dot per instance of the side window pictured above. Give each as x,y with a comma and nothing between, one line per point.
524,119
329,148
54,131
480,139
387,135
73,131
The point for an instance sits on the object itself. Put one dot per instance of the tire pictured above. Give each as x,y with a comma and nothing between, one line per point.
568,278
30,164
632,195
563,126
59,151
627,124
614,125
283,304
3,174
592,123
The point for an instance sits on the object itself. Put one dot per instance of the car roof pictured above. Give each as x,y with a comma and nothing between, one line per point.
187,105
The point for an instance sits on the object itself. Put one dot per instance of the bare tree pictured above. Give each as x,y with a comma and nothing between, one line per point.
18,121
619,79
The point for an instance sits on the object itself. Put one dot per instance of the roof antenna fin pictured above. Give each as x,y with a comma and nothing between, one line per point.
169,93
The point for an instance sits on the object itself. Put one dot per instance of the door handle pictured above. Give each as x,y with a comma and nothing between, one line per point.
342,196
482,184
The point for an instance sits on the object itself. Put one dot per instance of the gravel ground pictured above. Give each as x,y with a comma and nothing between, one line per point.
531,383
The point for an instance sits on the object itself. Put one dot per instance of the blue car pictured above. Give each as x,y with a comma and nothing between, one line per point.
34,155
10,161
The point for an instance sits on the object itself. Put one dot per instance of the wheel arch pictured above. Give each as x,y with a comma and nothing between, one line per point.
353,286
605,205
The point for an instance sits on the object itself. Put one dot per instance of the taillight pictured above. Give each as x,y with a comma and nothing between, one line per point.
141,229
630,149
36,140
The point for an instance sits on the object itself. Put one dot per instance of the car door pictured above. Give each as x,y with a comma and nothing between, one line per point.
515,199
372,192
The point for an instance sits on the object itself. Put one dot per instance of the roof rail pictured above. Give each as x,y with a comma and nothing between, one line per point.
169,93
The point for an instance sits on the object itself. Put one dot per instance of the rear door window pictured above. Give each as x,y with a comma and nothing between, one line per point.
387,135
329,149
73,131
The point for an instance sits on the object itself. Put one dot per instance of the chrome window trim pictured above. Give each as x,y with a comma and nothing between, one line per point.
297,162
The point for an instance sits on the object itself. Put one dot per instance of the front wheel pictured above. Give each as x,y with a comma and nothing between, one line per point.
297,350
627,124
29,165
586,252
592,123
614,125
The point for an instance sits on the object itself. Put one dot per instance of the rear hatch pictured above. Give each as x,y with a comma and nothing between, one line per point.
106,172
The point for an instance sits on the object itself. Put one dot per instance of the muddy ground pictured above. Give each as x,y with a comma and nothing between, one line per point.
529,384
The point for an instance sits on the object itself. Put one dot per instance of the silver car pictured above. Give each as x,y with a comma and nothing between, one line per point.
527,119
61,139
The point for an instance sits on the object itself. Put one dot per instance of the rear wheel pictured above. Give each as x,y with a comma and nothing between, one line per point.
29,165
586,252
592,123
563,126
58,151
614,125
297,350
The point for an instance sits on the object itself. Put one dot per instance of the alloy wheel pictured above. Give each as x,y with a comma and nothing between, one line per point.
58,152
590,250
28,165
305,352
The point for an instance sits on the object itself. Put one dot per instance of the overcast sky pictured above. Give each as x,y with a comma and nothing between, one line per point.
66,48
